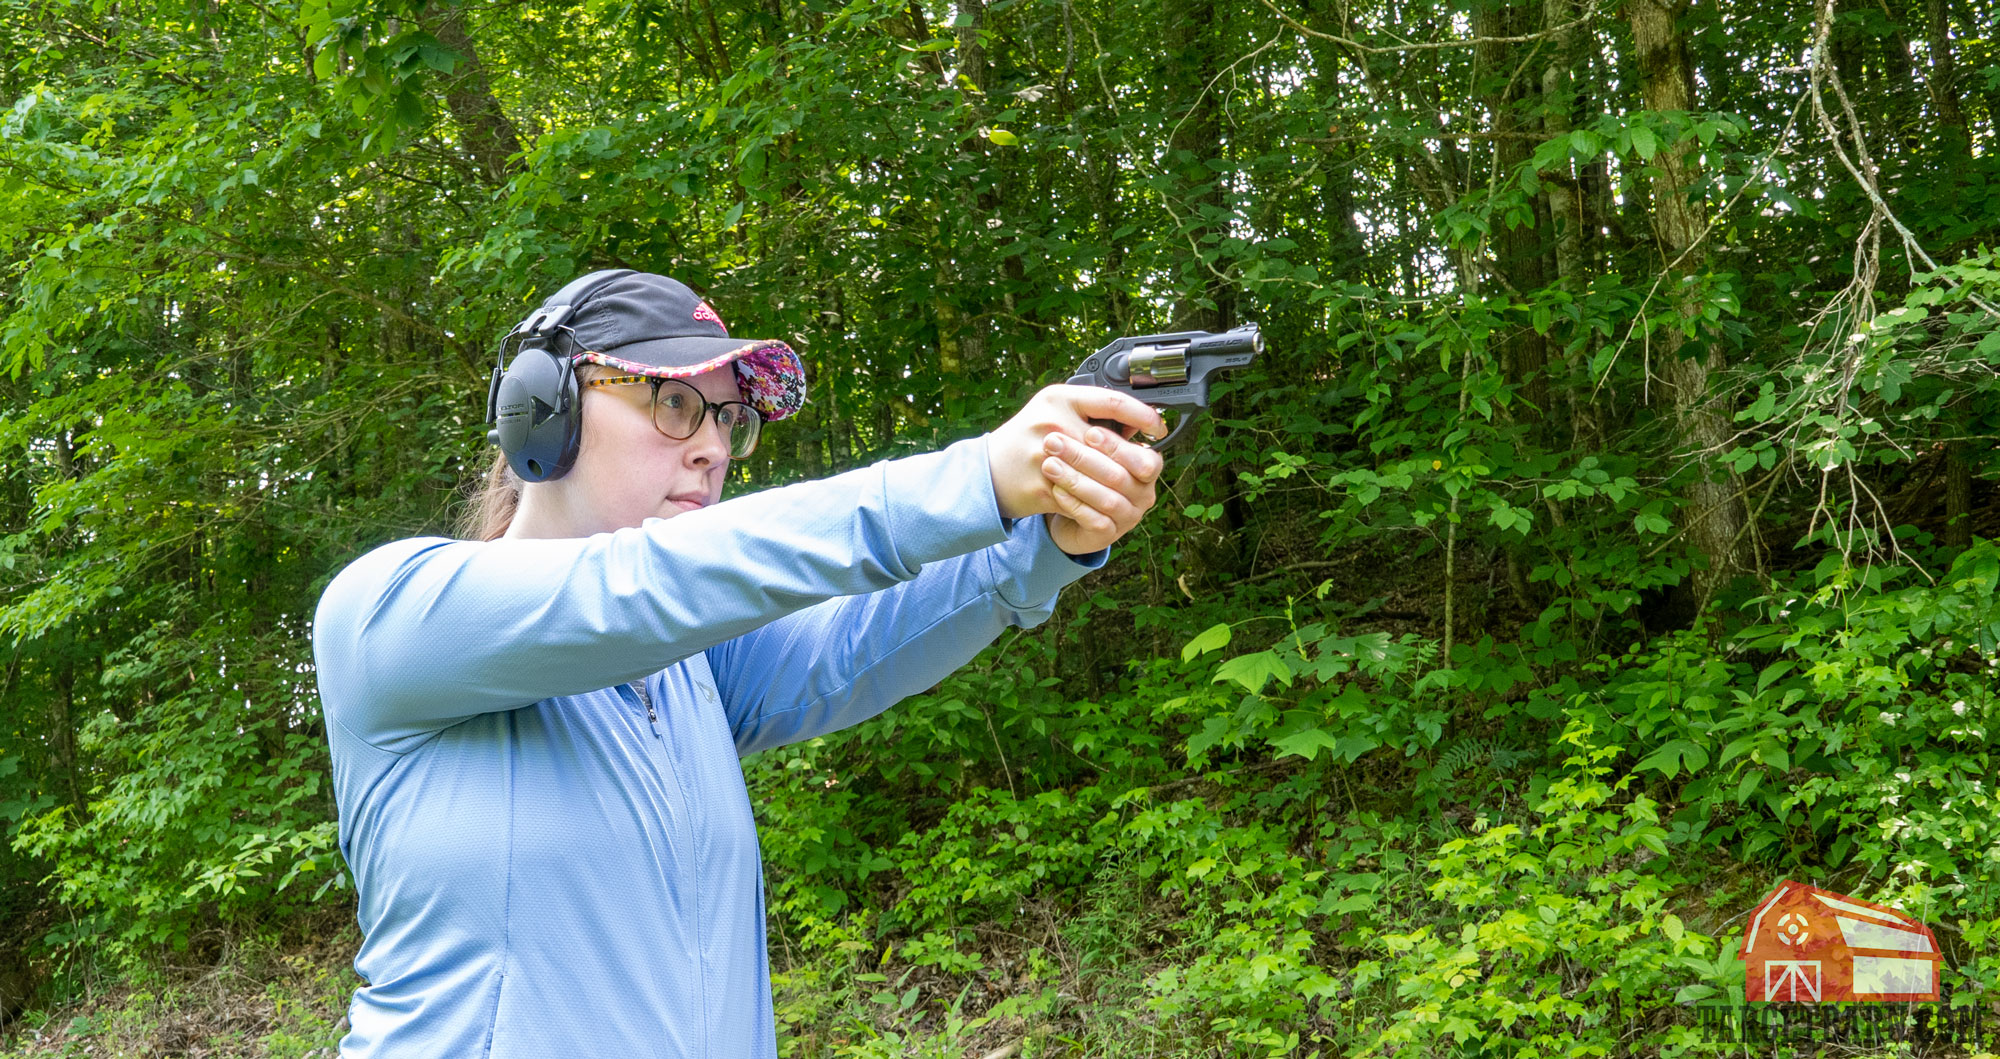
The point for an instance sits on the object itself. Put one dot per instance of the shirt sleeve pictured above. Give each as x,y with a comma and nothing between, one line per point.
841,662
421,634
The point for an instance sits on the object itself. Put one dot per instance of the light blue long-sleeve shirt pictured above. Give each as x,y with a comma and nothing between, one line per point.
549,864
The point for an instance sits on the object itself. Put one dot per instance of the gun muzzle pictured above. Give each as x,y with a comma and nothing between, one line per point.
1241,340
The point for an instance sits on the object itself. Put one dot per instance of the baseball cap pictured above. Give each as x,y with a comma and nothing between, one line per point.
653,325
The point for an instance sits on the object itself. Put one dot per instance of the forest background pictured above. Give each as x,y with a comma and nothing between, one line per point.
1605,535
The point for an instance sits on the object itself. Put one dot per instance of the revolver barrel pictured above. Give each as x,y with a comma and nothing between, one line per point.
1170,370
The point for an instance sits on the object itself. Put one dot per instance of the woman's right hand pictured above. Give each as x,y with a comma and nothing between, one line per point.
1094,484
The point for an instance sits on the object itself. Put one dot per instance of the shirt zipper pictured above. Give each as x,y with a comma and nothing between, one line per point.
651,714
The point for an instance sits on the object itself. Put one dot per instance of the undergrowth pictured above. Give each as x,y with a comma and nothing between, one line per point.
1280,844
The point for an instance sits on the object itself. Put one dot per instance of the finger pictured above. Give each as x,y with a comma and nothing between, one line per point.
1102,467
1089,519
1096,402
1111,503
1144,463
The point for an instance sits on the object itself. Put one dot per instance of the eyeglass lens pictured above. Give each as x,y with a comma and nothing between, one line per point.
678,410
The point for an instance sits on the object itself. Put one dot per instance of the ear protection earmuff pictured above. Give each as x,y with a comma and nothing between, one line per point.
532,402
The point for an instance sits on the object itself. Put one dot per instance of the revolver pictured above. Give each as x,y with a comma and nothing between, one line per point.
1168,371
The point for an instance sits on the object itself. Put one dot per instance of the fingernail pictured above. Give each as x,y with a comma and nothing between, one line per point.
1053,443
1095,436
1052,467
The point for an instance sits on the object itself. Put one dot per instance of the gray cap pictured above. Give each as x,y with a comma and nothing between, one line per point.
653,325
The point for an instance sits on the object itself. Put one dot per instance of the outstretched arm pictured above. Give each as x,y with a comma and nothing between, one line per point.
420,634
839,663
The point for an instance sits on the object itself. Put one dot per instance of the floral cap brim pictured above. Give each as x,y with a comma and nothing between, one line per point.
771,375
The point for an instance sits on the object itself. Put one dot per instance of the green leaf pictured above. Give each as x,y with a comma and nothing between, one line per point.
1645,142
1306,744
436,55
1253,671
1690,993
1351,747
1671,758
1003,137
1215,638
1213,731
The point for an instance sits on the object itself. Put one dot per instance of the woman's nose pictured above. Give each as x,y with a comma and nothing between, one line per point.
710,444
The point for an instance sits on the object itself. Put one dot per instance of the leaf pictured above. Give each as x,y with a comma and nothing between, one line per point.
1214,639
1306,744
1645,142
435,55
735,214
1213,731
1351,747
1003,137
1253,671
1696,991
1669,759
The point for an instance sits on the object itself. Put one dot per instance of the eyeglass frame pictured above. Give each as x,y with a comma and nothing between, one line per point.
652,409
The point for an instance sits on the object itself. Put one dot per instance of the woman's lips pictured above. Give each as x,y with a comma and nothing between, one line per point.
688,503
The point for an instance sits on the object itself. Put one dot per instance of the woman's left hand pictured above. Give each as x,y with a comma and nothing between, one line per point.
1102,486
1093,485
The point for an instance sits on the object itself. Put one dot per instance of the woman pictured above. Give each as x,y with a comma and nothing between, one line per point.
535,736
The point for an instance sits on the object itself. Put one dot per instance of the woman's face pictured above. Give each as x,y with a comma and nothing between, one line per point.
626,471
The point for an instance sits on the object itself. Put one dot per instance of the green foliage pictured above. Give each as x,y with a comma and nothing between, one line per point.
1424,710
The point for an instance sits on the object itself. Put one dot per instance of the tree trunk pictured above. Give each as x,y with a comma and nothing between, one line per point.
1714,516
959,301
1517,246
62,737
1957,497
1573,224
1191,65
489,136
1559,102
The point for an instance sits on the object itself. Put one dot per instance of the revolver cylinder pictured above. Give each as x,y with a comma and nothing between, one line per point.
1149,366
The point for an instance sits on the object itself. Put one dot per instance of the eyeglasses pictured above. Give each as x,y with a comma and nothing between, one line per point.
679,408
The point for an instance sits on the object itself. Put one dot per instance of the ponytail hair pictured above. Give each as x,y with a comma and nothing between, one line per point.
494,502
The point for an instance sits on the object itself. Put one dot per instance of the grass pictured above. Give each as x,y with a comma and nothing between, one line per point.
260,1000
